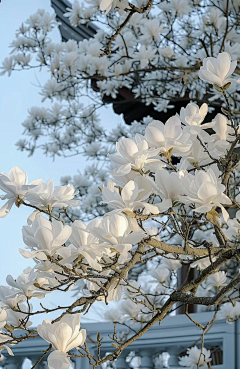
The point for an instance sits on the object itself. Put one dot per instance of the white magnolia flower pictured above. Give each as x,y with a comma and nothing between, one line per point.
64,336
132,291
204,189
229,311
196,357
151,30
223,136
167,52
7,66
130,309
45,196
44,237
217,70
168,136
192,116
15,319
217,280
107,5
132,195
85,244
24,285
134,155
114,292
233,232
195,157
202,263
180,7
171,264
115,232
58,360
169,188
161,273
47,269
3,318
145,55
10,297
113,315
15,185
74,13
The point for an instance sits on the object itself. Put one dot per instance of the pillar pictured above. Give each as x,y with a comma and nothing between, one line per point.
174,356
147,361
81,363
121,361
12,362
43,362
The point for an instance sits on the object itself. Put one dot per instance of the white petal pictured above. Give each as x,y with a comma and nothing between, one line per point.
58,360
5,209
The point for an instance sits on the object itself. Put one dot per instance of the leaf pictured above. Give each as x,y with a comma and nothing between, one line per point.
212,215
115,345
226,87
129,213
218,88
168,154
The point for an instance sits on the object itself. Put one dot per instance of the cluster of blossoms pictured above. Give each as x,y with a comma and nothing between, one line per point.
161,215
155,59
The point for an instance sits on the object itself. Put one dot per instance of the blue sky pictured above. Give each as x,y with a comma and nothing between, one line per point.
17,94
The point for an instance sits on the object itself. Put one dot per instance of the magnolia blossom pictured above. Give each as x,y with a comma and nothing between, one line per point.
11,297
114,293
114,231
131,291
161,273
170,263
46,197
58,359
134,155
222,137
181,7
145,55
217,280
233,232
169,187
3,318
202,263
132,195
168,136
15,185
151,30
194,158
24,285
85,244
205,190
107,5
218,70
192,116
196,357
64,336
15,319
130,309
44,238
113,315
74,13
229,311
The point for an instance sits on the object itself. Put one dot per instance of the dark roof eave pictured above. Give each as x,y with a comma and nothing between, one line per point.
67,31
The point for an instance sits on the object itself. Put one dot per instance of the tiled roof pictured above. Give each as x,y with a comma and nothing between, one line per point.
67,30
